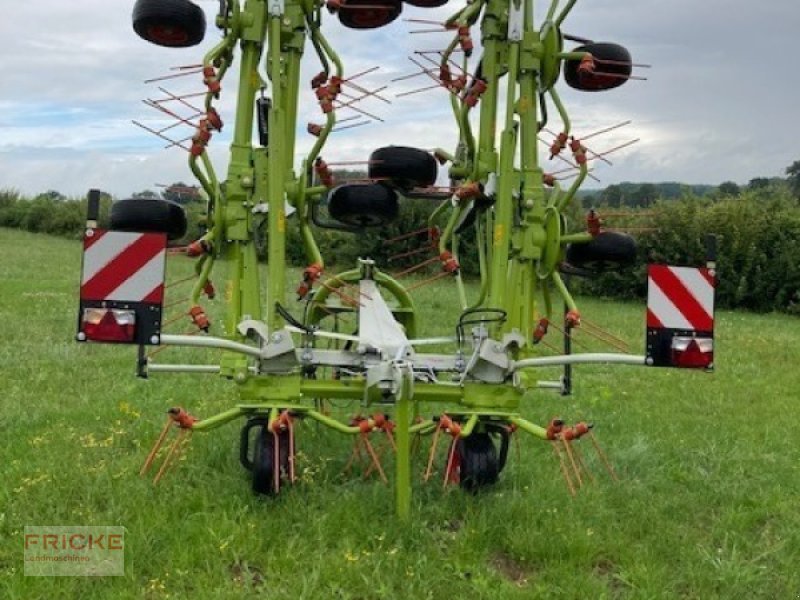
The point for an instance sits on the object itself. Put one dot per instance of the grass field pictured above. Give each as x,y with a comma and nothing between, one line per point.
708,505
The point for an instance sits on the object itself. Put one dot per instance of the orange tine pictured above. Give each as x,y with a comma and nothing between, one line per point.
589,150
620,147
421,265
450,459
184,73
348,299
603,457
292,452
620,76
427,281
581,463
572,337
604,331
168,112
412,75
157,134
172,455
564,470
181,100
435,79
379,453
376,461
419,90
575,468
424,21
567,161
346,127
391,440
435,441
430,31
606,130
351,286
367,93
179,281
422,250
622,347
350,105
156,447
355,454
550,346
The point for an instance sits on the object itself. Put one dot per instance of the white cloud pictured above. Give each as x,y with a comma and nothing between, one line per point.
719,103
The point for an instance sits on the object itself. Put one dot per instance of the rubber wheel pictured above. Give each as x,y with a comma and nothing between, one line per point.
170,23
608,250
264,461
363,204
478,459
144,215
404,167
608,75
369,14
426,3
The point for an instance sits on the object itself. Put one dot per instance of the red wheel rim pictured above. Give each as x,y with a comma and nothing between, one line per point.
167,35
371,17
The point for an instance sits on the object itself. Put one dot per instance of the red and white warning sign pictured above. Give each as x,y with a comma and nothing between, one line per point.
123,267
122,286
680,316
680,298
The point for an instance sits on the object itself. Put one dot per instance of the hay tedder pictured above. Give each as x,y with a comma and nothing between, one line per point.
290,356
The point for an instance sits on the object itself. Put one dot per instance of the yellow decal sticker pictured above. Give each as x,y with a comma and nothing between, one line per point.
499,233
282,222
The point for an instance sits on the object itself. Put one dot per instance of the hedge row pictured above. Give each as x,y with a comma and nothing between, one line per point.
758,242
758,237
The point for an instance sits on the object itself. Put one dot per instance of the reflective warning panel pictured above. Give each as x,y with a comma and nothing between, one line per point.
680,317
122,287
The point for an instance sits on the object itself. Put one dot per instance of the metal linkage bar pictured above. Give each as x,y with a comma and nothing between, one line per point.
580,359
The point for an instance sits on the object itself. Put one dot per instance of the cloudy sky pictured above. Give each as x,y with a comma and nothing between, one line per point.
720,103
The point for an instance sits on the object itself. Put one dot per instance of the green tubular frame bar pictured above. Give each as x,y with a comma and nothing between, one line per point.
520,240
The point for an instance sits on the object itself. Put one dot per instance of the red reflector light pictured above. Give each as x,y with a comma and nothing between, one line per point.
109,325
692,352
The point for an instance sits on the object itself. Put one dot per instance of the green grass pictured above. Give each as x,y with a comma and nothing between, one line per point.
708,505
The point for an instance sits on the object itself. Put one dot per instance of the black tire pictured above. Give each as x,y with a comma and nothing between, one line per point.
479,466
403,167
264,461
170,23
369,14
608,75
146,215
426,3
363,204
607,251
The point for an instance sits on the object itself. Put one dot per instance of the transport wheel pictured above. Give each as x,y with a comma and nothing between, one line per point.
171,23
264,461
608,250
612,68
404,167
369,14
478,460
363,205
426,3
145,215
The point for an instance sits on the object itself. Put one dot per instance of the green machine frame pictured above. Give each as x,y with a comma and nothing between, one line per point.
521,238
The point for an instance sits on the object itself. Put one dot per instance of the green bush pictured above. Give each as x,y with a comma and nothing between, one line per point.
758,233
